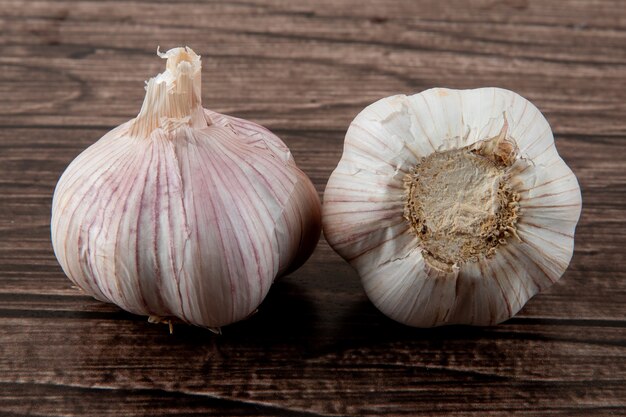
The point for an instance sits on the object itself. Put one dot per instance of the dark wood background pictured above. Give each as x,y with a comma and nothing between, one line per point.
71,71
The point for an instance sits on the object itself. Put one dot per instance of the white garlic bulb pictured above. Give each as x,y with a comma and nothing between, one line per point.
453,206
184,212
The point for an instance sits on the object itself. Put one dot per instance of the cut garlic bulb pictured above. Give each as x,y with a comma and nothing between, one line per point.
183,212
453,206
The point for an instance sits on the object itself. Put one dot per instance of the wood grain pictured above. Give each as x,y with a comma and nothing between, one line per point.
71,71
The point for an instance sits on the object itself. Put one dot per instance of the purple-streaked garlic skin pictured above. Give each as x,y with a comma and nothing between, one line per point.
415,251
184,212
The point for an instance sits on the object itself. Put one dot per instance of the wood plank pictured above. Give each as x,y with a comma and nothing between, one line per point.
72,70
254,364
250,72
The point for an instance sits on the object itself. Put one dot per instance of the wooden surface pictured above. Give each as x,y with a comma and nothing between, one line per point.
71,71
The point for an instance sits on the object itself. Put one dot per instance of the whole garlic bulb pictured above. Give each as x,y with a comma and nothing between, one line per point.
453,205
183,212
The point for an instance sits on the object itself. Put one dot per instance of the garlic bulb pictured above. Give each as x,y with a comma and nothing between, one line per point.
183,212
453,206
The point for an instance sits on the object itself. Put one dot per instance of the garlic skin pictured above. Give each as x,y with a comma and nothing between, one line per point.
453,206
183,212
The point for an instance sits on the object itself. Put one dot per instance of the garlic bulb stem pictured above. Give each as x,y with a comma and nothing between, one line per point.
173,98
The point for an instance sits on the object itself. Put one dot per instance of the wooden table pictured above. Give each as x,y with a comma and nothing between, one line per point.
71,71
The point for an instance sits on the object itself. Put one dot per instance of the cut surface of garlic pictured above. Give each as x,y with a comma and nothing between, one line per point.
453,205
183,212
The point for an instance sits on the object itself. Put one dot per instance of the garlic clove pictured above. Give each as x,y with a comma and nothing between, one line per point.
453,206
184,212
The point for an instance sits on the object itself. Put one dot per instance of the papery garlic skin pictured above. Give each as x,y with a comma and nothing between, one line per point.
184,212
367,218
